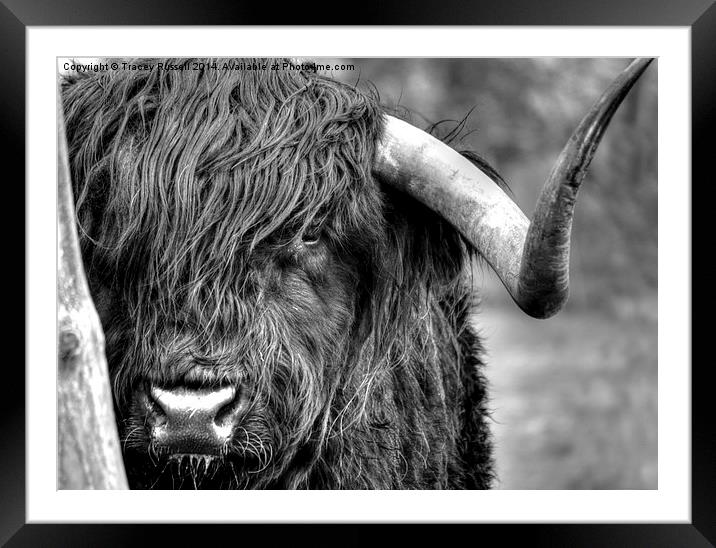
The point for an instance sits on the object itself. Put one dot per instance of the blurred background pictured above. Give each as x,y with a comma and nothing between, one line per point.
574,397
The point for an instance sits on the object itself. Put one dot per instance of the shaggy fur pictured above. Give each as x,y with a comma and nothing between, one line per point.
232,232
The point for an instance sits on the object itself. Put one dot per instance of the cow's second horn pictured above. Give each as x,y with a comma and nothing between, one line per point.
531,259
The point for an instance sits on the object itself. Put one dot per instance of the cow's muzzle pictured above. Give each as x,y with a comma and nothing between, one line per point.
189,421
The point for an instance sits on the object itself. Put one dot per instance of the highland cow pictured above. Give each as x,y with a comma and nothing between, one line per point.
281,272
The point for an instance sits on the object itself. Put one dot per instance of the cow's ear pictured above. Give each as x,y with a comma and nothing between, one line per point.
68,80
74,87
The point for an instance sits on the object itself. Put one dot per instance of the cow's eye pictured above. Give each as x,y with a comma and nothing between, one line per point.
311,236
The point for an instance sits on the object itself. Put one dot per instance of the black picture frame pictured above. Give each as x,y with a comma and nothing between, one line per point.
699,15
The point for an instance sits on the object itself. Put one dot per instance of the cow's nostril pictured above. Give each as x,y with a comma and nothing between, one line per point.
188,420
154,409
229,410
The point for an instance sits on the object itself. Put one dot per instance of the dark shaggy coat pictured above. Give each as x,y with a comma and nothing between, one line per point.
232,232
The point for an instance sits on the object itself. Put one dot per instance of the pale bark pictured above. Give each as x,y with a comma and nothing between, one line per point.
89,455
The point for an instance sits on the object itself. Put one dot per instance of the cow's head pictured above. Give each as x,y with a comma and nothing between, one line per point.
259,243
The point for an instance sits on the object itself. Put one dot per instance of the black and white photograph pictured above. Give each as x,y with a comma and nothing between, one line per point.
346,273
304,280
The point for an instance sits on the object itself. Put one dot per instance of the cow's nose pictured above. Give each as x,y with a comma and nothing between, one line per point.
193,421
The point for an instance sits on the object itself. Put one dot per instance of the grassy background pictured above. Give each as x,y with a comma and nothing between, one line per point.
574,398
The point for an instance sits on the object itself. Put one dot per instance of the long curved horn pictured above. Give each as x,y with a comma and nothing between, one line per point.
531,259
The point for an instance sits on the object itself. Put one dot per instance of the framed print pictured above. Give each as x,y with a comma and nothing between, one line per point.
284,232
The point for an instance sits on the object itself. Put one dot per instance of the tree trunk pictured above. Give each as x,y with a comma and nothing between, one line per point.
89,455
